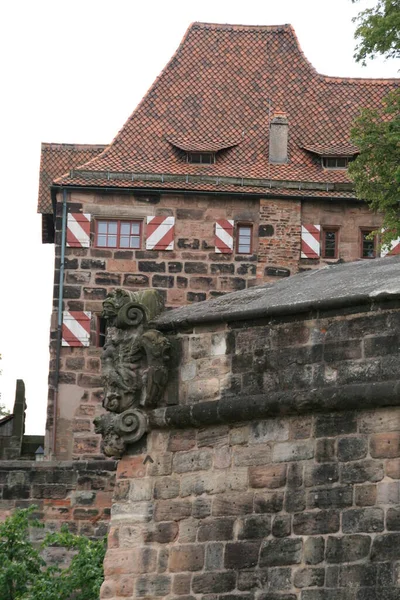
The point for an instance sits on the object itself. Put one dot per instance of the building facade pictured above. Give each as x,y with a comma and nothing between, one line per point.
232,171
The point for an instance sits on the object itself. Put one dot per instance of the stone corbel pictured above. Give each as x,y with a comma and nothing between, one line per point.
134,368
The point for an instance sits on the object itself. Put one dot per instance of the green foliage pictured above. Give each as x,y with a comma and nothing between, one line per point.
378,31
376,133
376,171
24,574
3,410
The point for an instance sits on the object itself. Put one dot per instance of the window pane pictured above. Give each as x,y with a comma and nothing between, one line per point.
125,228
368,246
244,248
102,227
112,227
101,240
124,241
135,242
245,231
330,244
341,162
135,228
112,241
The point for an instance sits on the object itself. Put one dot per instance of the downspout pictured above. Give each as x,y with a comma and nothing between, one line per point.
59,319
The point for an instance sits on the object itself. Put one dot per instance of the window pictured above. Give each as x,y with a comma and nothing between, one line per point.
118,234
244,234
368,246
335,162
330,238
204,158
101,331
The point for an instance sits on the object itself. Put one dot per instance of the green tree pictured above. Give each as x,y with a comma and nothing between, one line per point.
378,31
3,411
24,574
376,133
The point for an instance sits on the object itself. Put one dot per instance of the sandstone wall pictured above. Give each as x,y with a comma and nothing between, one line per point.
277,476
74,493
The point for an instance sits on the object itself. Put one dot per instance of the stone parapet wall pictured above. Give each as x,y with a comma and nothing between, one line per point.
288,508
274,472
77,494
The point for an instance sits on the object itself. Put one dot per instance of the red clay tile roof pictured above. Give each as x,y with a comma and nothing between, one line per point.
336,150
225,82
57,159
192,145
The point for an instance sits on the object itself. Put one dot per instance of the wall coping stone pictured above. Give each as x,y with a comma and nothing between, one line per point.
332,287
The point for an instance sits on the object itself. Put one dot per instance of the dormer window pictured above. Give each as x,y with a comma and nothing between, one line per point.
201,158
336,162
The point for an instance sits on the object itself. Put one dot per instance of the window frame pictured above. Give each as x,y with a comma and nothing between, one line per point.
326,229
200,162
237,232
375,241
100,334
118,234
336,158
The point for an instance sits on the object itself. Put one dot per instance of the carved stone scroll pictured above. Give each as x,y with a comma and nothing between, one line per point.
134,367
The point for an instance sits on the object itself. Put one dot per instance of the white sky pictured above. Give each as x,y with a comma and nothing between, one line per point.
72,71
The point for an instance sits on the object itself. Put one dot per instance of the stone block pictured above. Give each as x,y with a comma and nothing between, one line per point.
186,558
332,425
166,488
309,577
363,520
281,526
314,550
314,523
365,495
232,504
385,445
214,557
332,497
254,527
288,451
172,510
252,456
281,552
268,502
276,430
352,448
325,450
273,476
216,529
195,460
161,533
386,547
153,586
363,471
241,555
348,548
320,474
214,583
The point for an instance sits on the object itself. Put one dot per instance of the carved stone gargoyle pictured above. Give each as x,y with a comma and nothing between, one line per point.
134,367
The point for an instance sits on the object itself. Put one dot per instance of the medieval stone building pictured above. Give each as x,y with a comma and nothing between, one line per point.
231,172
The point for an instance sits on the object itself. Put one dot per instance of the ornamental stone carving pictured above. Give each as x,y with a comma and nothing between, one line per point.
134,367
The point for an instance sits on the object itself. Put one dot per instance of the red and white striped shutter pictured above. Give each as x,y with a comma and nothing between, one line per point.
310,241
160,233
224,236
76,328
78,230
391,249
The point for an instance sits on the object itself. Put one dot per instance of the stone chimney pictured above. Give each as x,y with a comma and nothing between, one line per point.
278,138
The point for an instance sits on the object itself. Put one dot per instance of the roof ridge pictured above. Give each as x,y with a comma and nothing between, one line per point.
229,26
64,146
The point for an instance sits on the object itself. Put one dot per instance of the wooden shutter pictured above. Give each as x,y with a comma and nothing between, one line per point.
310,241
78,230
224,236
160,233
76,328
